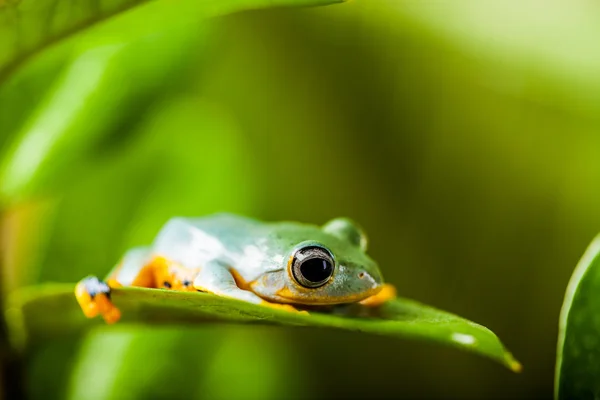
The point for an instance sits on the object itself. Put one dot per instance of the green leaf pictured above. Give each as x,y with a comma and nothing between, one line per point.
578,353
194,363
93,95
27,27
51,309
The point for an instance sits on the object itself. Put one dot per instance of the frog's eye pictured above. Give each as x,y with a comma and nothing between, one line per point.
312,266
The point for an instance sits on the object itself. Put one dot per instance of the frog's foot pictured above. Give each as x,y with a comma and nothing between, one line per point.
284,307
179,283
93,295
387,293
163,273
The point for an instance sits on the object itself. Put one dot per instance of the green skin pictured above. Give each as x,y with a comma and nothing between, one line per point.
262,254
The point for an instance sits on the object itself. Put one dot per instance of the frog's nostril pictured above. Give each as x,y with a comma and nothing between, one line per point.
361,275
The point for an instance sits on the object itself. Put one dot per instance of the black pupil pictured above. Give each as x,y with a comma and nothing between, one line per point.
316,270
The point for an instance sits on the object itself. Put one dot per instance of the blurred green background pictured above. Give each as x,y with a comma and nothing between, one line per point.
461,135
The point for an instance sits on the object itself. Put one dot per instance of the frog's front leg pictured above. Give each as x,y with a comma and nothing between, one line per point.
139,267
216,279
93,295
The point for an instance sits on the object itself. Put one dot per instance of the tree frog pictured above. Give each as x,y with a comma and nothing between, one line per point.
276,264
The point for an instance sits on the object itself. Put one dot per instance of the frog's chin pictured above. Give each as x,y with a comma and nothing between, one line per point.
318,299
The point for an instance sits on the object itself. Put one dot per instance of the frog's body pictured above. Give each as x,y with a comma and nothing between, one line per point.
277,264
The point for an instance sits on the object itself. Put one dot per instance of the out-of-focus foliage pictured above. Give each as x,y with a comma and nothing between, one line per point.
578,348
40,311
28,28
462,135
202,368
58,130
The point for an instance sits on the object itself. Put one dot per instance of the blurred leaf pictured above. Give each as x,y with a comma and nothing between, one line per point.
91,101
103,81
28,27
51,309
578,354
48,365
174,358
23,247
192,362
259,361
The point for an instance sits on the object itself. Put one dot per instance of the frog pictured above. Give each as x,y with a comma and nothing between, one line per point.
284,265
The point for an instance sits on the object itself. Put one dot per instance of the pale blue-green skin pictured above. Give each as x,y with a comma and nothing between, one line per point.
260,252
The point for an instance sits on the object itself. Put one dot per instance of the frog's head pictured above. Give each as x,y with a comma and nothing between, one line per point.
326,265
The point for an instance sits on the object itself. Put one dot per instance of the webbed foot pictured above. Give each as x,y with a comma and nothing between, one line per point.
93,295
388,292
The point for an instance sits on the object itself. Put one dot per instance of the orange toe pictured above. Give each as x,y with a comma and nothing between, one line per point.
98,304
88,306
90,310
111,316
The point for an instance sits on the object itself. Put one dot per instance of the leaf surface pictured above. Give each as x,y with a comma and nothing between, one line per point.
578,353
51,309
27,27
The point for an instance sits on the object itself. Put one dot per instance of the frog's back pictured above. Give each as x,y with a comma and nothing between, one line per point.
195,241
221,224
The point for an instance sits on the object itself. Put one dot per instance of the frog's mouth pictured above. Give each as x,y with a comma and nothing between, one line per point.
323,298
